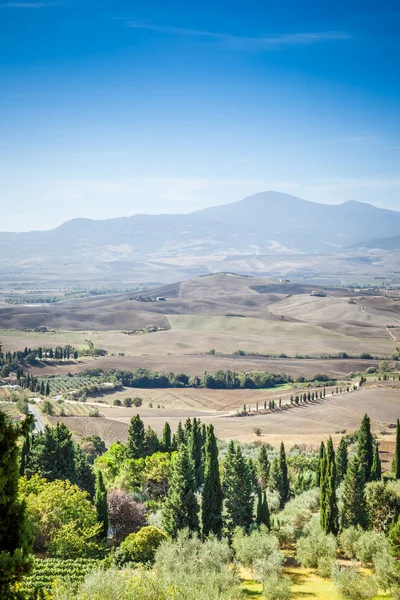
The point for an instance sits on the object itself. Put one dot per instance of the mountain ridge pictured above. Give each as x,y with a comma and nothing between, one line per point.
251,235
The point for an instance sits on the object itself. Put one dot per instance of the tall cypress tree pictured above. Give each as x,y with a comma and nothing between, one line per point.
211,508
195,449
354,509
263,516
252,469
180,435
100,503
25,452
188,429
329,517
321,457
285,495
396,460
15,536
237,488
365,451
180,509
166,438
376,470
263,467
85,478
341,460
52,454
136,438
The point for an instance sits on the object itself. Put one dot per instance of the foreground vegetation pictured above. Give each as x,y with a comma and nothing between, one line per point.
185,516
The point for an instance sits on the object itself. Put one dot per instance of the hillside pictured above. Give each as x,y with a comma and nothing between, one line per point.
265,233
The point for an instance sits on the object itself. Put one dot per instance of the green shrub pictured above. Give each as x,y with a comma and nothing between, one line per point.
316,549
353,586
258,546
348,539
277,588
370,544
140,547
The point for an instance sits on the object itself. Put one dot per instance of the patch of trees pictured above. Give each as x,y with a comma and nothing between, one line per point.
145,378
14,361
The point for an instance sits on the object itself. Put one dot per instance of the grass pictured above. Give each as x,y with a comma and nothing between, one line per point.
307,585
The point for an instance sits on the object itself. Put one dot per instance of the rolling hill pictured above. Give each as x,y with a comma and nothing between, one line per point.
264,233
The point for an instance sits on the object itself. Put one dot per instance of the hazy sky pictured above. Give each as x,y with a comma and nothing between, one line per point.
110,108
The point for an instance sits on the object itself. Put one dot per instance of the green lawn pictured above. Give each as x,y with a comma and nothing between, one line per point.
307,585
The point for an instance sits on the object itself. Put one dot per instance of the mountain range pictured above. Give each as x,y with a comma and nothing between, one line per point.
266,233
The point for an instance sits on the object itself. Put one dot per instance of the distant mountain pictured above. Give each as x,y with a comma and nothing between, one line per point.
164,247
391,244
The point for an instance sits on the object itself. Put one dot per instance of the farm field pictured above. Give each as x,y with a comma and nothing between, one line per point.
220,312
306,424
196,364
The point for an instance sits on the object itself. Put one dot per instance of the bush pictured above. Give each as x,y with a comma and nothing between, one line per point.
348,539
202,567
316,549
258,546
352,586
127,402
117,402
277,588
140,547
137,585
47,408
296,515
370,544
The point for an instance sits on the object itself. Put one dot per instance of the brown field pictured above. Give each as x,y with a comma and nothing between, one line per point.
193,364
306,424
275,318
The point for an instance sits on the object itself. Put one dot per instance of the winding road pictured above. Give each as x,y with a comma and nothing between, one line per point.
39,421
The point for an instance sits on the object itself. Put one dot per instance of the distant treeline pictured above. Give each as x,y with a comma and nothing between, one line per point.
14,361
24,300
223,380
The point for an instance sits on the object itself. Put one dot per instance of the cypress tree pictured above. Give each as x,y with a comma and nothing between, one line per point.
328,504
136,439
188,429
85,478
195,448
25,452
365,451
341,460
285,496
396,460
180,508
180,435
166,438
151,442
100,503
15,536
237,489
252,469
52,454
47,389
211,508
354,509
263,516
263,467
376,470
321,458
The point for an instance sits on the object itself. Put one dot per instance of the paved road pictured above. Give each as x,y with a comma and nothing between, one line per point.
39,421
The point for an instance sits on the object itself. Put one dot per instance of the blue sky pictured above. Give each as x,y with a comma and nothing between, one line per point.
110,108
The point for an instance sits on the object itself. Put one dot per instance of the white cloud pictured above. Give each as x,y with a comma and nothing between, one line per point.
263,41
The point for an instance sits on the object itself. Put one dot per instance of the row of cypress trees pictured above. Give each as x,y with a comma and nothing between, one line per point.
225,502
333,468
